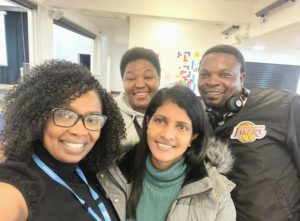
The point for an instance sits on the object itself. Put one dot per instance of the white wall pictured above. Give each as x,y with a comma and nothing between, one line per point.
165,36
41,37
285,15
111,53
275,58
168,36
116,83
216,11
68,45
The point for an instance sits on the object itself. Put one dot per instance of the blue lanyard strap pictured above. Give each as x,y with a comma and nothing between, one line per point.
79,172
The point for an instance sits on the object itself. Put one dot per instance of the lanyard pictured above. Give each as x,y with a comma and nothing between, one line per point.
79,172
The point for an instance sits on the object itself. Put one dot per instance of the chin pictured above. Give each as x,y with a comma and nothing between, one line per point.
71,159
140,107
213,105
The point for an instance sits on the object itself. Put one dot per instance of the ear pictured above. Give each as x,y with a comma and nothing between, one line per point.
242,78
194,136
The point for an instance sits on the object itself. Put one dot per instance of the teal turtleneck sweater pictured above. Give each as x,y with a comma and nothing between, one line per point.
160,189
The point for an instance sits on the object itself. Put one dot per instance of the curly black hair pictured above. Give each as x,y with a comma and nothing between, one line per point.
139,53
53,84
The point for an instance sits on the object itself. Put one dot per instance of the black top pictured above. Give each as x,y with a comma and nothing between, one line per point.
46,199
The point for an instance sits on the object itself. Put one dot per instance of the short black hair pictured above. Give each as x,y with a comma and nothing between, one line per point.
139,53
229,50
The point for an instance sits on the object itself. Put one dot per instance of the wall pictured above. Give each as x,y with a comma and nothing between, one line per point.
168,36
111,50
41,40
68,45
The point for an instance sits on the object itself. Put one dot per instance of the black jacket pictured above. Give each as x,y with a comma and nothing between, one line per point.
264,137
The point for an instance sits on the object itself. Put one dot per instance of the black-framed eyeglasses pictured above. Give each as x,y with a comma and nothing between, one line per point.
66,118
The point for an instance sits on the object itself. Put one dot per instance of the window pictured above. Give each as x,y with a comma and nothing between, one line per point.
72,42
278,76
3,52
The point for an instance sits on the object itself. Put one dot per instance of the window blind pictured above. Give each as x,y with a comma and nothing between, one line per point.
276,76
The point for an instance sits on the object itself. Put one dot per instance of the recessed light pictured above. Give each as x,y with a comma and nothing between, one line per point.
259,47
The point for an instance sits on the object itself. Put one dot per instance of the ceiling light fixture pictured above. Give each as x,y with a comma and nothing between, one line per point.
265,11
259,47
230,30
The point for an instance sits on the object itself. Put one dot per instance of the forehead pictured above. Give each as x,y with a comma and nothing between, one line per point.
219,59
139,64
88,101
172,111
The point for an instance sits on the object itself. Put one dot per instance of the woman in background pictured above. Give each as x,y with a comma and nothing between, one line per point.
140,72
174,172
61,127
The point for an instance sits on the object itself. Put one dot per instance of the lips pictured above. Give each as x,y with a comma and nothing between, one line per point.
73,147
213,94
164,147
140,94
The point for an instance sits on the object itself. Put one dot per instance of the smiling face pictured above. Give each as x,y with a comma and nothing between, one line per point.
70,145
141,82
169,135
219,79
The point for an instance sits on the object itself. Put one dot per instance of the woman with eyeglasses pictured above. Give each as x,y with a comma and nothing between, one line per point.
61,128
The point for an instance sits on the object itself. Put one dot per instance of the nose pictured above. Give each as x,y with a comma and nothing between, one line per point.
78,128
140,82
168,132
213,80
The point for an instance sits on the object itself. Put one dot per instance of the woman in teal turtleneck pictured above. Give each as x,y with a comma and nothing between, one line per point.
174,172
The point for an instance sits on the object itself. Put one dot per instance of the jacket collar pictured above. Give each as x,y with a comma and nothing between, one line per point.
218,155
124,106
126,165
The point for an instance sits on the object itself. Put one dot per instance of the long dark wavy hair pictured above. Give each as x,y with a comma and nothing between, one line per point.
188,101
53,84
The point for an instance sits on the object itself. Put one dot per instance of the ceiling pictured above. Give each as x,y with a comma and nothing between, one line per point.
107,15
285,39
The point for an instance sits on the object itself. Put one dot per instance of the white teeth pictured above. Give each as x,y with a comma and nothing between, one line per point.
141,94
213,93
74,145
164,146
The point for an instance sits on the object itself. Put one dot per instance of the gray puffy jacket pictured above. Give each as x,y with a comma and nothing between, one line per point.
206,198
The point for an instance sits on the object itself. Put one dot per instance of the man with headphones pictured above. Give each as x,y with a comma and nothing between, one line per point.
262,127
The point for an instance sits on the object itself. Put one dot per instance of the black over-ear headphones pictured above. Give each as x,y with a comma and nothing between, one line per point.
234,104
214,116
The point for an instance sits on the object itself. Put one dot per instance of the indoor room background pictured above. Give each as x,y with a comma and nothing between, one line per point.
96,33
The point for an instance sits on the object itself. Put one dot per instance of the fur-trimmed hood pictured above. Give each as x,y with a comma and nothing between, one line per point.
203,185
219,155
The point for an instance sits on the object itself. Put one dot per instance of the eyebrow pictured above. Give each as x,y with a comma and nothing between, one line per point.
75,111
180,122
